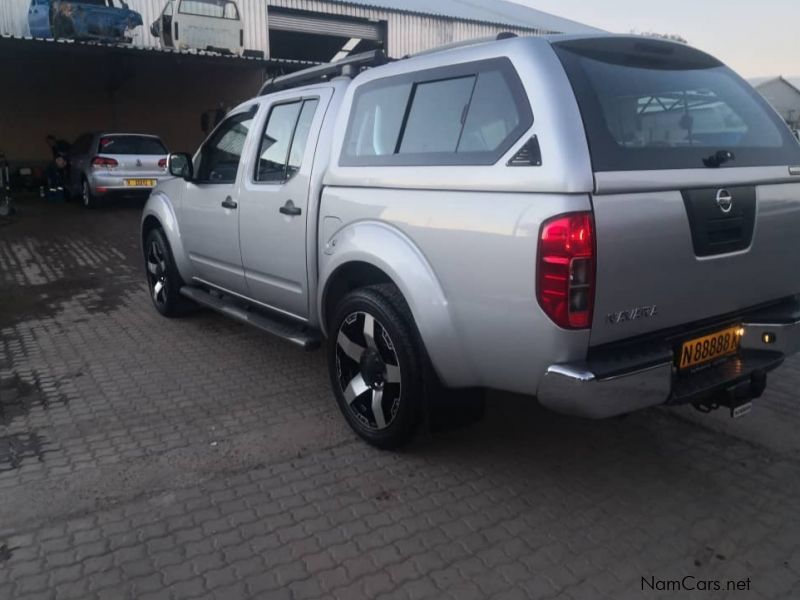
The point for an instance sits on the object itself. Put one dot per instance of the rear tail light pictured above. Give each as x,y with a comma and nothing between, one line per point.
241,37
102,161
162,164
566,272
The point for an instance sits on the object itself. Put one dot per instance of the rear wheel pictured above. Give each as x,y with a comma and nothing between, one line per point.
376,365
163,280
88,199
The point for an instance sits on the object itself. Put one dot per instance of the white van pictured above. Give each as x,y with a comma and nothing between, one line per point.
201,24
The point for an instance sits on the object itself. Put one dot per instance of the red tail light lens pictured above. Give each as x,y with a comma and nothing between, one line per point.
102,161
162,164
566,272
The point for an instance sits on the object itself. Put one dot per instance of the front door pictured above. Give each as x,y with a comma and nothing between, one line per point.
210,215
166,25
274,204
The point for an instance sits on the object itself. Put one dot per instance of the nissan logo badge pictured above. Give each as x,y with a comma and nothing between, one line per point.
724,201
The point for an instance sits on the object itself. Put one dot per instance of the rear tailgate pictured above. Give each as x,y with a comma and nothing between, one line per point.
697,200
651,272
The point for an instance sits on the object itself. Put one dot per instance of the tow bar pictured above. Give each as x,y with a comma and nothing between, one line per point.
738,398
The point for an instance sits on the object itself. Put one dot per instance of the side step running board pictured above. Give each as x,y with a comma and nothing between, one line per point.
294,333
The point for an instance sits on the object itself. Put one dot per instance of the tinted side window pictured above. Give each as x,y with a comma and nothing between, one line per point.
468,114
302,132
492,114
283,143
436,118
275,142
219,159
376,120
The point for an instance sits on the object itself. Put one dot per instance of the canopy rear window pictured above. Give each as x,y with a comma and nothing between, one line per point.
648,104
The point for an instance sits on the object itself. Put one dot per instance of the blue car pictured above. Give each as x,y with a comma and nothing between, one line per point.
107,20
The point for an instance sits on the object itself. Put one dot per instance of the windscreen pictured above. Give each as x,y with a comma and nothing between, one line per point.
656,105
131,144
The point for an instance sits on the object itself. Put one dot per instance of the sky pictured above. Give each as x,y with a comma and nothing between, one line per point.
754,37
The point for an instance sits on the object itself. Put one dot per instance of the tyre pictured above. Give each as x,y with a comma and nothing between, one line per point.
88,199
163,280
377,366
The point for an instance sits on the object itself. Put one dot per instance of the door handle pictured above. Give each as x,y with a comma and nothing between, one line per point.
230,203
291,210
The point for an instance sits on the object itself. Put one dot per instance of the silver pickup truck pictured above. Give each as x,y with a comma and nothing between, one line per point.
606,223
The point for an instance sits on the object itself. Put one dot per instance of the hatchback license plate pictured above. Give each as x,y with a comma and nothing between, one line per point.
710,347
140,182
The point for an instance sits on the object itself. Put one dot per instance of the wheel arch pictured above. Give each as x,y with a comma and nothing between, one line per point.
158,212
373,253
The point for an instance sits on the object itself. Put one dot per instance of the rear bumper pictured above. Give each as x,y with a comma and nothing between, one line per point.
115,184
632,378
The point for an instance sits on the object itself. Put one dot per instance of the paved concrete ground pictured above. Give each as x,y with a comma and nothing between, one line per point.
145,458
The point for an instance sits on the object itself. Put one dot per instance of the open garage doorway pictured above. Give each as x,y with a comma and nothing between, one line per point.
70,88
303,35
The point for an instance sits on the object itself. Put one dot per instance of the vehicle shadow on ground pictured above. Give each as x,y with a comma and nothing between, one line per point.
650,457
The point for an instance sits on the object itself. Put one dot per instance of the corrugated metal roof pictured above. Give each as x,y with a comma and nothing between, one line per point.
487,11
268,62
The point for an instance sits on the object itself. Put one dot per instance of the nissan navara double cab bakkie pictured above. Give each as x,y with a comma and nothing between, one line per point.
607,223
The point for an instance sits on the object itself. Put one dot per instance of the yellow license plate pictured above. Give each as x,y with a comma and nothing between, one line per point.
140,182
710,347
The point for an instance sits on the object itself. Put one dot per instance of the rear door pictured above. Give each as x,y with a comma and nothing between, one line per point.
696,204
275,202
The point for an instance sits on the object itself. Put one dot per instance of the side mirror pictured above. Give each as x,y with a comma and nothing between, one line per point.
180,165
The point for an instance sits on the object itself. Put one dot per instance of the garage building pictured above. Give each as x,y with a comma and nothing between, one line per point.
165,69
783,95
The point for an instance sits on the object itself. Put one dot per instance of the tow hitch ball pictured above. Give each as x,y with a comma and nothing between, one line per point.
738,398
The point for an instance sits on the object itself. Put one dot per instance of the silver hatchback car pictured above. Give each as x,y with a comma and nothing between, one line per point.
116,164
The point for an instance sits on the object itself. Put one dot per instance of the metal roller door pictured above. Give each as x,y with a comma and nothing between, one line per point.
318,24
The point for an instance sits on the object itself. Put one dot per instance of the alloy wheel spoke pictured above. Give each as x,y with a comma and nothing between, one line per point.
352,350
377,409
369,331
158,288
392,374
355,389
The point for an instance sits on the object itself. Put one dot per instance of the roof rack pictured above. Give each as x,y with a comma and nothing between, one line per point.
503,35
347,67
